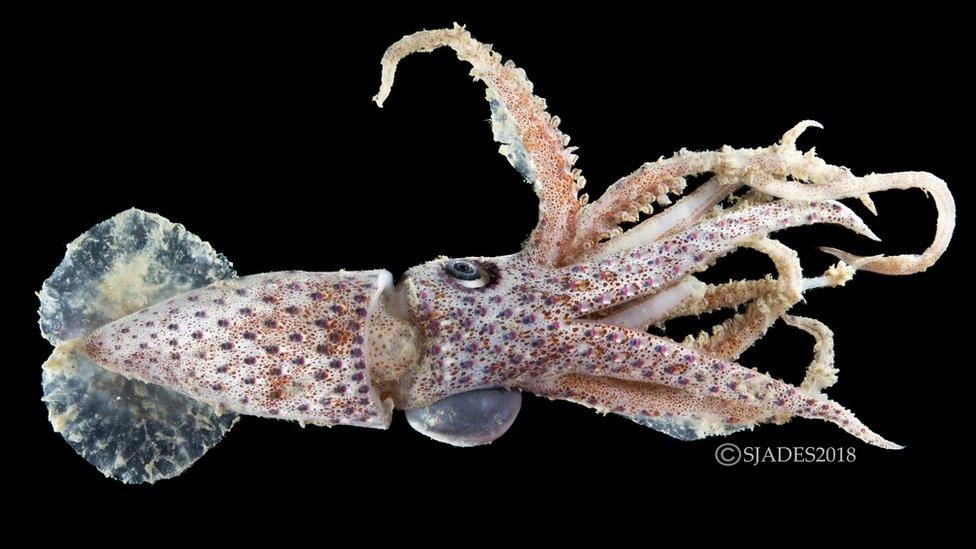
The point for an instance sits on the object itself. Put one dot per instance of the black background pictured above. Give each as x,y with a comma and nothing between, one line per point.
256,131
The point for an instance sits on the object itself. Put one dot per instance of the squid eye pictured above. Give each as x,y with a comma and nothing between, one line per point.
468,274
462,270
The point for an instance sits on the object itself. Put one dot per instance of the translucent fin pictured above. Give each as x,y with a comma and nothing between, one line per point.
687,428
129,430
120,266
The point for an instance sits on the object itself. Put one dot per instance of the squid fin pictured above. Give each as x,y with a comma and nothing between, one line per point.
129,430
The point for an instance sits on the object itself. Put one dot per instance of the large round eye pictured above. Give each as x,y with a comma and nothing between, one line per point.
467,274
462,270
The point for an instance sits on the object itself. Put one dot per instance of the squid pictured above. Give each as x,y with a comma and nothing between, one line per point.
159,346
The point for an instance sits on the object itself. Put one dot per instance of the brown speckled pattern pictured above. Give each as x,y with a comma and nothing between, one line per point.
535,325
529,325
288,345
294,345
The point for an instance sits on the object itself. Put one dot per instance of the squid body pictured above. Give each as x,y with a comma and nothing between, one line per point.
159,345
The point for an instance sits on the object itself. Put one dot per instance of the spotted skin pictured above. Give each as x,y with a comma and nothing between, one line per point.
529,136
676,411
528,325
634,273
488,336
288,345
524,328
552,319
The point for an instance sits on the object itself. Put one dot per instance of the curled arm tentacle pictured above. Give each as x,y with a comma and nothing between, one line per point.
692,297
529,136
859,187
821,372
627,275
731,338
732,167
